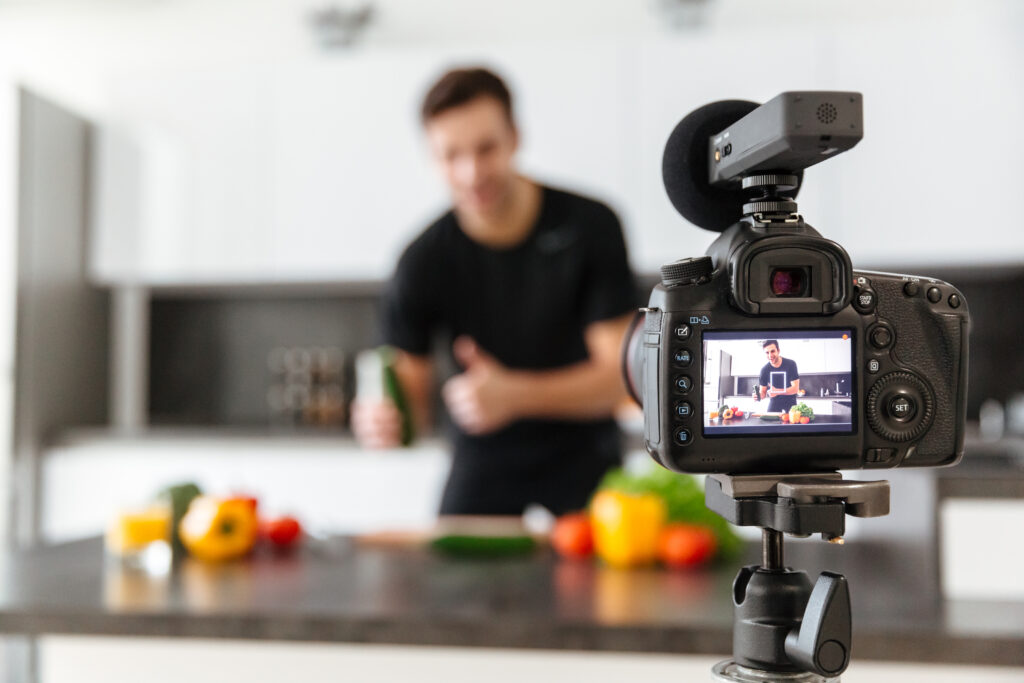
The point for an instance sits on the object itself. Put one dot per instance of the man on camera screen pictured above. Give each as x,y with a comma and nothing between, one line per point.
779,380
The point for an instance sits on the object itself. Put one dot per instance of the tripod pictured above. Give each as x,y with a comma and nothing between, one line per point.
783,628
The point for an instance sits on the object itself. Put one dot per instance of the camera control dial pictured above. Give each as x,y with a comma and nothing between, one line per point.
687,271
900,407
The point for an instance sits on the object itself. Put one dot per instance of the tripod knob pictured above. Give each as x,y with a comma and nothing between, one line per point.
822,641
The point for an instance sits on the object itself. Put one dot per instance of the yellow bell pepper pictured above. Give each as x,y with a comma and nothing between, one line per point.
131,532
626,527
218,529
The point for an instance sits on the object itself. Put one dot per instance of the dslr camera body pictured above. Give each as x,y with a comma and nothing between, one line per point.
771,354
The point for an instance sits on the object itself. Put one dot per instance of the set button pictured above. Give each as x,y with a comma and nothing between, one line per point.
902,408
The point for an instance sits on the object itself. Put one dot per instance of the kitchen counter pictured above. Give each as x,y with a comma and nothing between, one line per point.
340,591
820,422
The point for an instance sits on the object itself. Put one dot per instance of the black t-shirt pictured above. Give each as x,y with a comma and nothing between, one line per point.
780,378
526,305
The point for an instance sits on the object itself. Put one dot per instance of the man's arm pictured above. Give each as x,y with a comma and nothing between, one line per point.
589,389
488,396
793,388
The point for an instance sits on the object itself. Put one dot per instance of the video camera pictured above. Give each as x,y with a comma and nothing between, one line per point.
771,354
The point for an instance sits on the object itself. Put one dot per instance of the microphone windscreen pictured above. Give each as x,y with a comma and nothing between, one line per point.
684,167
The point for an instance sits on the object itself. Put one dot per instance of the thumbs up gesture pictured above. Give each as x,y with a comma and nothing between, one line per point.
481,399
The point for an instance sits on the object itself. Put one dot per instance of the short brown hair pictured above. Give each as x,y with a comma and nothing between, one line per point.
459,86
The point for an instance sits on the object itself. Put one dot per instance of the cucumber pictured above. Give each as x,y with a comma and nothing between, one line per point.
483,546
771,418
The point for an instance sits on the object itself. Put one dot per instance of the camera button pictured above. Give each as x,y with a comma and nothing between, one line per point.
682,358
864,301
880,454
874,366
683,384
954,301
880,337
902,408
912,289
683,410
683,436
934,295
683,331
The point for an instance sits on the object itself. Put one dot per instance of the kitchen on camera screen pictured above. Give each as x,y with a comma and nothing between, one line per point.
787,382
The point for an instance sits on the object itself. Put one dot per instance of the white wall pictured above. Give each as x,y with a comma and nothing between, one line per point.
943,97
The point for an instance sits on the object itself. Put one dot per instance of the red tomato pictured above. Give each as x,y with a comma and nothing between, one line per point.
573,535
282,532
686,545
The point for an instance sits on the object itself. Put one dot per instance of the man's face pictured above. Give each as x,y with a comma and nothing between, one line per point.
474,145
772,351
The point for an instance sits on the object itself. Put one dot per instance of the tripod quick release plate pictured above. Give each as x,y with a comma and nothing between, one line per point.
798,504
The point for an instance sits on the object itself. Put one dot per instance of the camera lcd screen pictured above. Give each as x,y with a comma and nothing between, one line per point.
787,382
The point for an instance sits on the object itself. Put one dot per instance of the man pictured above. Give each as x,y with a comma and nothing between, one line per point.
531,289
780,379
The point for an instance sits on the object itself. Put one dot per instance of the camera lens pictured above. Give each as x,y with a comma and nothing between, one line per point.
788,282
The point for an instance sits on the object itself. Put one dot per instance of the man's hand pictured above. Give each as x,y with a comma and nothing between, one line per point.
480,400
377,424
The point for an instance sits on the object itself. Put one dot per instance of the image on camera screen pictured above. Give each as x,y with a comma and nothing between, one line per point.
777,383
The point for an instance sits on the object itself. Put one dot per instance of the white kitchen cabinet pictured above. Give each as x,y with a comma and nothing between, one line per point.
317,170
330,483
837,355
185,177
89,659
818,405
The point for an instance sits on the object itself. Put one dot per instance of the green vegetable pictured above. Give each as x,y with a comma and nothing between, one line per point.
805,411
393,389
683,496
771,418
180,497
483,546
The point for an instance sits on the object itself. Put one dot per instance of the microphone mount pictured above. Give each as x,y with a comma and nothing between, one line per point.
772,199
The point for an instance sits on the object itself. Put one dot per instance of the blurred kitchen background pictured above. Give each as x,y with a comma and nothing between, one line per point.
200,201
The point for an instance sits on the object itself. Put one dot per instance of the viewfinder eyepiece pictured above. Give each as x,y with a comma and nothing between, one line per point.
790,282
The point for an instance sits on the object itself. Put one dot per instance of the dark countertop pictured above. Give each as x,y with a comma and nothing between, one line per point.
337,591
749,422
